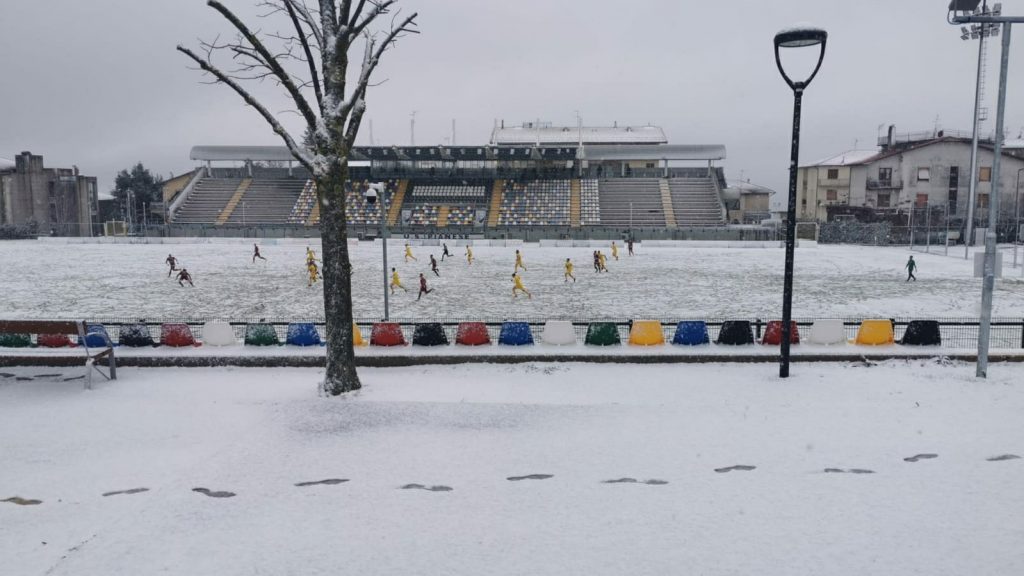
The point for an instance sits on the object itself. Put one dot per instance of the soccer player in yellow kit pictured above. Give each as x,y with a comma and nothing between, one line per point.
396,281
519,287
469,256
615,251
601,261
314,272
408,253
519,262
568,270
310,255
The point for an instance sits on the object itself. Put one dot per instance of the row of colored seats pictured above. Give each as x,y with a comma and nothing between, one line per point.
555,332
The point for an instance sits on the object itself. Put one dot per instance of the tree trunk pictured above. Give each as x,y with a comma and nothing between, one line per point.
337,277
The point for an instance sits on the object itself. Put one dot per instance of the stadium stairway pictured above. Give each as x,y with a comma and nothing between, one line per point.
442,216
666,203
575,203
207,201
496,196
696,202
268,201
235,199
395,208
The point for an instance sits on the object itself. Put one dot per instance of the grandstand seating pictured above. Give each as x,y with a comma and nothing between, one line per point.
590,203
208,199
304,204
267,201
357,209
448,193
537,203
644,194
695,202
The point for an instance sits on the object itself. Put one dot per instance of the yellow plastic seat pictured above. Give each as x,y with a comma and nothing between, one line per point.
875,333
646,333
357,336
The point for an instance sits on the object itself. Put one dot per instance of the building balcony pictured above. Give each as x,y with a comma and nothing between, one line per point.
891,184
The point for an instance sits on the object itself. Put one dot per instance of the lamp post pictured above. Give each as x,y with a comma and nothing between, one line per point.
1016,218
966,12
799,37
375,191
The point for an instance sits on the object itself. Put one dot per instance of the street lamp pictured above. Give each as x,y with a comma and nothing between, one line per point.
376,190
966,12
1016,218
799,37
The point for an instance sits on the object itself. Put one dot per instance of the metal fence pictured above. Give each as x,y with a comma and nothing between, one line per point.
960,333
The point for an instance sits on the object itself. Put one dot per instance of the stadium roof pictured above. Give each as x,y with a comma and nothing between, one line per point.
6,164
546,135
639,152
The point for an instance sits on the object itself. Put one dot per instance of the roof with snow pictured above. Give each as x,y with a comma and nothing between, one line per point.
640,152
545,135
6,164
1018,143
848,158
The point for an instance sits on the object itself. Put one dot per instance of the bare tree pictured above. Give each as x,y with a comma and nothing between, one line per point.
310,62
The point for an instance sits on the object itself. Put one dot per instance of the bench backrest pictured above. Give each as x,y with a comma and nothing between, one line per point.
39,327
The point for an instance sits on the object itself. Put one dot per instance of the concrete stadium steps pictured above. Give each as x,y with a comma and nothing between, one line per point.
666,203
442,216
696,202
644,194
395,207
207,201
267,201
225,214
496,198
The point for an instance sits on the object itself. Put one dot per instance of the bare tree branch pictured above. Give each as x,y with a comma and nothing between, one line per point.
307,17
371,59
270,61
301,155
378,9
314,76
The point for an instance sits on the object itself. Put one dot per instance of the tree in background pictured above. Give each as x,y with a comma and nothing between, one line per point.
145,188
308,59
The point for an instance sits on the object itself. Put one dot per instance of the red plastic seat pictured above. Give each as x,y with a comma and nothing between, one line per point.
54,341
472,334
387,334
773,334
177,335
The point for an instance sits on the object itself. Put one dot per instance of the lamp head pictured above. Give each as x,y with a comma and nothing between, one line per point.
800,37
964,5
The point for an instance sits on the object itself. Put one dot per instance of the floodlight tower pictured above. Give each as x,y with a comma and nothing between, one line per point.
966,12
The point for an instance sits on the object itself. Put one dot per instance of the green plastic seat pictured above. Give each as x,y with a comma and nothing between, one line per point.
261,335
15,340
603,334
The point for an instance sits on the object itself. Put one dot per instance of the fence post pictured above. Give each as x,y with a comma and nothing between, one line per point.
757,322
1022,333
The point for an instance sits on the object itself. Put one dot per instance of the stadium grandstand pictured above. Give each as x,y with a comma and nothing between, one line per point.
531,181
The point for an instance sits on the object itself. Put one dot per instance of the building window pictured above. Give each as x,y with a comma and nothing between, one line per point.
883,200
924,174
921,200
982,200
833,174
985,174
885,175
831,195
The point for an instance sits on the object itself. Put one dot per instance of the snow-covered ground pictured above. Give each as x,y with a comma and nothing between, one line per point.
46,279
463,433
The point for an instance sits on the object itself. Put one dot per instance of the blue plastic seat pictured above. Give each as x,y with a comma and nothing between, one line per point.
691,334
515,334
303,334
96,336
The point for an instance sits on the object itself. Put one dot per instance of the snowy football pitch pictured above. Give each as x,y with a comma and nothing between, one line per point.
53,279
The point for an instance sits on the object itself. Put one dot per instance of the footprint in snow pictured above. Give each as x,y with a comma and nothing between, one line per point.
131,491
652,482
214,493
328,482
917,457
1003,458
22,501
530,477
428,488
851,471
739,467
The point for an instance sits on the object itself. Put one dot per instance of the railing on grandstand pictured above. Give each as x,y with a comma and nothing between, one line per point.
957,333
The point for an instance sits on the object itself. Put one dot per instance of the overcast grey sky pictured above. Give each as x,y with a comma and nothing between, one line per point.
99,84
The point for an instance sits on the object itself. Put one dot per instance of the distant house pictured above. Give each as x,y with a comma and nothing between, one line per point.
911,170
57,200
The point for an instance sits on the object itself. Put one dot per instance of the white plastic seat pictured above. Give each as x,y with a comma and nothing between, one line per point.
218,333
829,332
558,333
